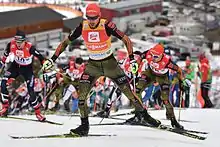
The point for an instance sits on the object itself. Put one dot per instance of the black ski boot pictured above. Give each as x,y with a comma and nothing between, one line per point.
175,124
103,114
150,120
136,119
142,117
83,129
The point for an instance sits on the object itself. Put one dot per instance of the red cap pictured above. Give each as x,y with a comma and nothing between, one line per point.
157,50
93,10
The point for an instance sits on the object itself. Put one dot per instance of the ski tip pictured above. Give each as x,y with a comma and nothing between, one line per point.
15,137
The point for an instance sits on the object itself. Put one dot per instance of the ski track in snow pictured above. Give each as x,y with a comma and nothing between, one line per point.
127,136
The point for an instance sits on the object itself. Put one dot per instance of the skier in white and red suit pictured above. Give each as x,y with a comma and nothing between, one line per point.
159,64
19,55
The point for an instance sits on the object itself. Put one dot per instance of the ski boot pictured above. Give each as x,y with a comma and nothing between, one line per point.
83,129
143,117
105,113
39,116
175,124
4,110
150,120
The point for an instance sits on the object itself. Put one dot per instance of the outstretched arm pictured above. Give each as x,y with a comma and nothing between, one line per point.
128,44
62,46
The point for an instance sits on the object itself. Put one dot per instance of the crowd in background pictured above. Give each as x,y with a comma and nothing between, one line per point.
57,95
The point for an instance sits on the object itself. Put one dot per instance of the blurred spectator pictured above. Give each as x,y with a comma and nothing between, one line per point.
206,79
189,73
152,96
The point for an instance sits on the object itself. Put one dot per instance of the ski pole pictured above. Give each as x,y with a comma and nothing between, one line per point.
50,92
134,83
180,104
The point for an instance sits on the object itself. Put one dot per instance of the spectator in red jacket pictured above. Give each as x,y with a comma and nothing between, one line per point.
206,79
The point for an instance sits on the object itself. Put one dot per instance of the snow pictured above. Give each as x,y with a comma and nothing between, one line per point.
127,136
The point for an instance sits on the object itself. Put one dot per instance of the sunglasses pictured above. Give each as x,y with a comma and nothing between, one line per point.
92,18
19,41
155,56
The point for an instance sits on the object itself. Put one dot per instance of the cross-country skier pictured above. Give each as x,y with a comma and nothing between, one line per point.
19,54
96,33
159,65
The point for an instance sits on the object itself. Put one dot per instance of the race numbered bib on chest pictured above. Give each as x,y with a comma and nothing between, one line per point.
155,67
23,61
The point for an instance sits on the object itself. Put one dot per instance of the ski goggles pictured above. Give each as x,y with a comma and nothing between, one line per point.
92,18
19,39
155,56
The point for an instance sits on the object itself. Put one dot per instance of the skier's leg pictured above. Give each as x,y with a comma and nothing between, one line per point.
165,88
67,96
10,73
187,96
118,99
34,102
114,72
146,79
87,80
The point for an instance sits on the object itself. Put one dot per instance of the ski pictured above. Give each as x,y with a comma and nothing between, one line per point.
29,119
185,132
190,131
66,135
124,123
131,113
67,114
187,121
74,114
122,114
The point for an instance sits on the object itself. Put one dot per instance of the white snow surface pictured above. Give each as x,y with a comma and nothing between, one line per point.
126,136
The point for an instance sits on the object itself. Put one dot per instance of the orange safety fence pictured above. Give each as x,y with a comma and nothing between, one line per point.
200,99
